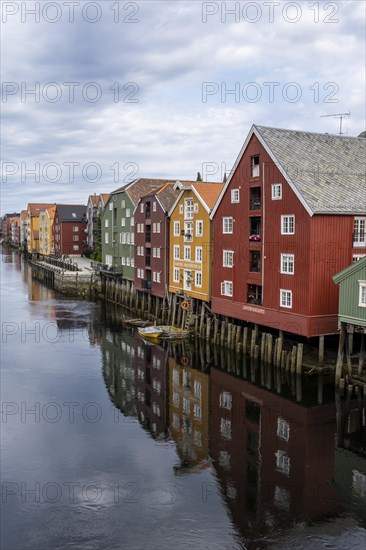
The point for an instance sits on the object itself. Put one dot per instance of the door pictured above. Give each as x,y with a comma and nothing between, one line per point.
186,279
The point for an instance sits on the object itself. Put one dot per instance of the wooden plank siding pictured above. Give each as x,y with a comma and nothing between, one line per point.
322,245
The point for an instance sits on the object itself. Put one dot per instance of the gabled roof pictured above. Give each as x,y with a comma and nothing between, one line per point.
103,197
326,172
140,187
71,212
35,208
207,192
167,196
93,199
350,270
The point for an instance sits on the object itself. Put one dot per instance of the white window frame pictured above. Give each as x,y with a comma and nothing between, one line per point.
188,209
181,209
362,294
195,208
283,429
154,206
235,196
282,462
254,166
176,275
106,223
187,253
198,279
142,207
359,227
199,228
128,212
226,288
75,228
123,203
198,254
75,247
284,295
158,252
286,220
288,264
75,237
227,225
176,252
106,238
176,229
227,258
276,191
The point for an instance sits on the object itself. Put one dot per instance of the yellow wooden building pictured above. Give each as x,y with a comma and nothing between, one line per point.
46,219
188,414
190,255
32,224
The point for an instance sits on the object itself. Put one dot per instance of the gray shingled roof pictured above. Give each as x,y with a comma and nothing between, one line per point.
71,212
327,171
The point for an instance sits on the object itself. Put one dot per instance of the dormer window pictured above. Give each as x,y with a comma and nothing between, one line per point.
255,166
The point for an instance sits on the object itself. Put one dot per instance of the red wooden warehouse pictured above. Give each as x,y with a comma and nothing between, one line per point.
68,233
291,215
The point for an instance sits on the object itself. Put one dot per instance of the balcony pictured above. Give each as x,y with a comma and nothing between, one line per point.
255,262
255,224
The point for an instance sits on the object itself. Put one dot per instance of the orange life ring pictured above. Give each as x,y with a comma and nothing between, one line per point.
184,305
184,360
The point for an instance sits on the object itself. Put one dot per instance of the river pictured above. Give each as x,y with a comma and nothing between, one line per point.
111,443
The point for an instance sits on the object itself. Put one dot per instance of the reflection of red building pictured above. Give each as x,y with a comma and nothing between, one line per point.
151,387
273,457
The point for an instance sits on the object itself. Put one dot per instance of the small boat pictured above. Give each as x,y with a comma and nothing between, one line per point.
137,323
174,333
151,333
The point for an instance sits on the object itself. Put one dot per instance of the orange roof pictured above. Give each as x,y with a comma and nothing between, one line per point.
94,199
51,211
209,192
104,197
34,208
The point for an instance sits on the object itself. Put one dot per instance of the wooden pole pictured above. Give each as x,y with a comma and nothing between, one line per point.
300,348
321,351
362,353
245,340
293,359
339,365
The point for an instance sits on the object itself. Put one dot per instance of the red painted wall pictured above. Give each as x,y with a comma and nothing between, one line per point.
322,246
158,240
66,243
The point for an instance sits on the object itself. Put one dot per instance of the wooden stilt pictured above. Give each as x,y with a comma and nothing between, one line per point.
339,365
321,351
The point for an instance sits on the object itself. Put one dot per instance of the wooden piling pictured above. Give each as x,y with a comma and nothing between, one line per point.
300,348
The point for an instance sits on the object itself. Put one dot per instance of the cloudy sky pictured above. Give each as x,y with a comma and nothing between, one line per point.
95,94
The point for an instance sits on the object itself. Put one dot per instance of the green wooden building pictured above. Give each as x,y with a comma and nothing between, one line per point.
352,294
351,314
118,228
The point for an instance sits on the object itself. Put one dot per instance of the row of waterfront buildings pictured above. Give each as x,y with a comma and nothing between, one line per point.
262,247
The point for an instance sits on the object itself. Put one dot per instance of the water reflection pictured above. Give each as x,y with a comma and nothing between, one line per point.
259,450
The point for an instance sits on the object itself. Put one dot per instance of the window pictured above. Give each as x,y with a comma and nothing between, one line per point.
187,252
186,405
176,377
362,295
75,247
123,203
227,225
197,412
227,288
154,276
176,275
197,389
158,227
132,221
111,206
225,428
198,278
158,252
359,232
198,253
128,213
287,225
195,207
199,228
154,206
357,257
188,231
176,398
276,191
283,429
181,209
235,195
255,166
123,222
154,228
106,223
132,262
141,207
154,252
286,298
282,462
176,229
288,263
176,251
75,238
226,400
128,261
122,238
75,228
106,238
158,277
227,258
123,260
188,209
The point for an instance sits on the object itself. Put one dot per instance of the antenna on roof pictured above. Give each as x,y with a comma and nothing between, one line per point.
341,116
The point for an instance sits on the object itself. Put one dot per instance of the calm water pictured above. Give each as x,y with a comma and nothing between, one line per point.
108,442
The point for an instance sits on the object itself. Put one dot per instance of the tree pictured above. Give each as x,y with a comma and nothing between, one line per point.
199,177
225,178
97,254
